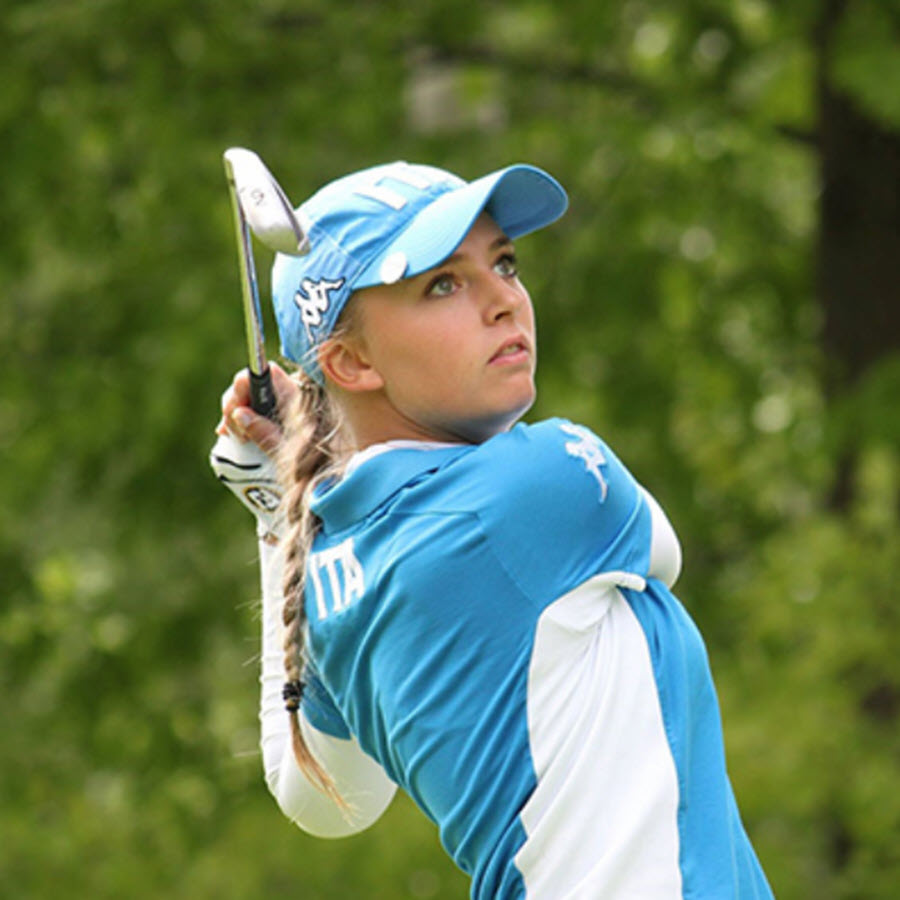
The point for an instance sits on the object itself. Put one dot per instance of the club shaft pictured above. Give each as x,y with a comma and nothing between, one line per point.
262,395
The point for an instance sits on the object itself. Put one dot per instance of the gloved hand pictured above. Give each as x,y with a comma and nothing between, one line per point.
240,457
251,475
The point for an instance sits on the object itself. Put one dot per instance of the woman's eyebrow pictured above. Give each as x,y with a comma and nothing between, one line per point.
501,241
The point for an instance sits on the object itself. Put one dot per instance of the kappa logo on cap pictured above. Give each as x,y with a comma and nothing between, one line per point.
313,300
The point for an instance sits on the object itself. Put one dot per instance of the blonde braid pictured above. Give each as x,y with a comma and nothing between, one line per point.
310,453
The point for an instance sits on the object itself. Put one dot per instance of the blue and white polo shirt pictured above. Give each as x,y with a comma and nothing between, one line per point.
485,620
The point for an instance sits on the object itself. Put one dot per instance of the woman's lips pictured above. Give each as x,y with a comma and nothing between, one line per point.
515,350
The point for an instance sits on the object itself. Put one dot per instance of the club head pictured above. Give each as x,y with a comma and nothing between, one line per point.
268,211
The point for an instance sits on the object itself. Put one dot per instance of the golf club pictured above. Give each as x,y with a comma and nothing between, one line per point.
260,207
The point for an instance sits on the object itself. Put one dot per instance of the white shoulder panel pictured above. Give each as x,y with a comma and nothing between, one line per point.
665,549
602,821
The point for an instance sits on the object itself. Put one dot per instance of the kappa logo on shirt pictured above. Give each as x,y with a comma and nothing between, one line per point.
586,447
312,299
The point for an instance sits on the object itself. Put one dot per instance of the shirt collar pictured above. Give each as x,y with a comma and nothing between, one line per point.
373,450
374,475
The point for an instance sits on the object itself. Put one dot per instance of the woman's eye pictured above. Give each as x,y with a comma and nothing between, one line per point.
440,286
506,266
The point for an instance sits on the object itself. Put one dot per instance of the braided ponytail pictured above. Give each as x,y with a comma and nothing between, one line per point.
311,452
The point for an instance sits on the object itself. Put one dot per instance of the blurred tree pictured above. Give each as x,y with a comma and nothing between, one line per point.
858,252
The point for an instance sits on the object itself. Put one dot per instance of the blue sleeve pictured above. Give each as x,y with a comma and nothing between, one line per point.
560,507
319,708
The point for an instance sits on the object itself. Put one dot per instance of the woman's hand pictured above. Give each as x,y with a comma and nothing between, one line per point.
239,418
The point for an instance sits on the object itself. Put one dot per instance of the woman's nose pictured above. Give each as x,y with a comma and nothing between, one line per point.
502,297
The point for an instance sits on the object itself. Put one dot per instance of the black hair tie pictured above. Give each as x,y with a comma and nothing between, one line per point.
292,693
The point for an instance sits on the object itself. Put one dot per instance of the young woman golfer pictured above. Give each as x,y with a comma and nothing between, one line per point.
474,610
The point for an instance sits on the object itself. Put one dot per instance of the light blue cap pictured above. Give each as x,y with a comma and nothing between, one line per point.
390,222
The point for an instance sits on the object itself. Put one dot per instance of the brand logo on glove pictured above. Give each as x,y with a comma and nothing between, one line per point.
262,498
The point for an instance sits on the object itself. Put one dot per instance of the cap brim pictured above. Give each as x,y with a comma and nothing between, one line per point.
519,198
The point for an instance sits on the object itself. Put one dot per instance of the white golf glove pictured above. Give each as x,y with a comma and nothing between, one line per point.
251,475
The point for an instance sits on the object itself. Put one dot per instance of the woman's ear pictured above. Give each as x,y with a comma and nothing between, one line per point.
346,364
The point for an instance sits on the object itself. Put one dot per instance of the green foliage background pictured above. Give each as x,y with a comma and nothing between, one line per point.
679,317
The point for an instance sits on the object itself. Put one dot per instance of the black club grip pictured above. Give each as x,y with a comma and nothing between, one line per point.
262,394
